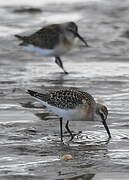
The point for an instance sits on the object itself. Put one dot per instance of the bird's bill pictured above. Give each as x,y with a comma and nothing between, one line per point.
106,127
81,38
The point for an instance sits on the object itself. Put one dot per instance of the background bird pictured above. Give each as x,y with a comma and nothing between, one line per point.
53,40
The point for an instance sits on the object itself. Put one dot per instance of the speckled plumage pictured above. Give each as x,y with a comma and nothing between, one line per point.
65,98
72,104
47,37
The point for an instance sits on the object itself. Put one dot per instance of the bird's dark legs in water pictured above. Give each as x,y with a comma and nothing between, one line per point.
67,127
60,64
61,130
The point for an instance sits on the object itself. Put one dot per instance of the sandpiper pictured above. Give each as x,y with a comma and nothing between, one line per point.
72,104
53,40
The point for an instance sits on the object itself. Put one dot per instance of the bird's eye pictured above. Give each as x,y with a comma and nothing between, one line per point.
104,110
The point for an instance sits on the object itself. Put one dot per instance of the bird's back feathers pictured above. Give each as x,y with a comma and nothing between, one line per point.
47,37
64,98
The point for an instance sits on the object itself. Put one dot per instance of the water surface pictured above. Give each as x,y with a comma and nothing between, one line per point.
29,134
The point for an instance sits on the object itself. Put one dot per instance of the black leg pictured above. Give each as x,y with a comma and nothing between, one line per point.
60,64
61,130
67,127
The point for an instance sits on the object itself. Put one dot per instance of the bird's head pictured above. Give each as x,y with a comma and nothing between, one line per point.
72,27
102,111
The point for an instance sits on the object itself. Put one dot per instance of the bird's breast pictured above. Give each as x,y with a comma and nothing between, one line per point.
77,115
64,46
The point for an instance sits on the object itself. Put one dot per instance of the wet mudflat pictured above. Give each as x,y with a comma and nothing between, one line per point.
30,146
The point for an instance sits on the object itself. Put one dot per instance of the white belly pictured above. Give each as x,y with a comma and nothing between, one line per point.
60,49
66,114
45,52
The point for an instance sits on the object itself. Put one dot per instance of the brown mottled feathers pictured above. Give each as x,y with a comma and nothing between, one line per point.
104,109
65,98
46,37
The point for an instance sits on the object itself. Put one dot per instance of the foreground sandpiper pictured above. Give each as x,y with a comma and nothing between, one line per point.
72,104
53,40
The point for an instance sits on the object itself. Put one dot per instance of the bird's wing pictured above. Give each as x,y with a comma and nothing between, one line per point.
47,37
65,98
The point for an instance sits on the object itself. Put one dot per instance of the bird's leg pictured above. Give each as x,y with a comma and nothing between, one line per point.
67,127
60,64
61,130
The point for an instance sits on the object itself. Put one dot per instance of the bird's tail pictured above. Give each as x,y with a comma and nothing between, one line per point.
37,95
34,93
24,38
20,37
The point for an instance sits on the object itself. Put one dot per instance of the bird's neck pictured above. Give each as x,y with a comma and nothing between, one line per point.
69,36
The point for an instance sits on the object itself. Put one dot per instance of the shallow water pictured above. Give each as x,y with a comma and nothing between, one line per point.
29,134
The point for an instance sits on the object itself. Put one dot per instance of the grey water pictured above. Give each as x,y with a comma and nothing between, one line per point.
30,147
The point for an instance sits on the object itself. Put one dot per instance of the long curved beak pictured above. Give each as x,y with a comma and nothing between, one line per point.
81,38
106,127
